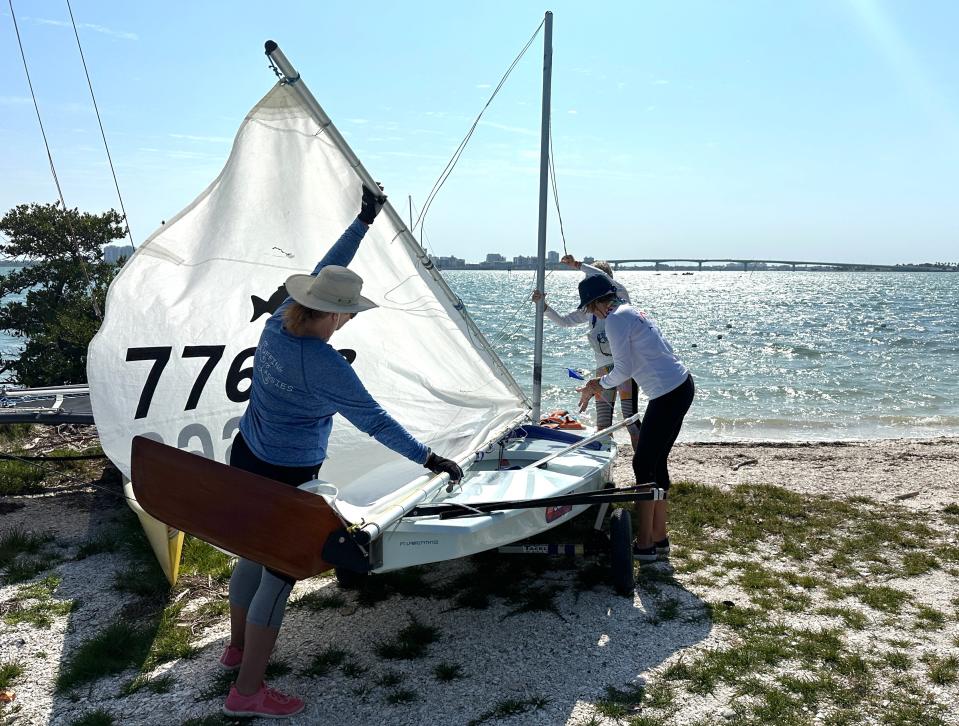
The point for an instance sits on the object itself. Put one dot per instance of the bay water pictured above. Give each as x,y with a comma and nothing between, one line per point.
775,355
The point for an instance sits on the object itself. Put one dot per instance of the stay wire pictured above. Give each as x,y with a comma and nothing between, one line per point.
451,164
53,169
552,176
103,134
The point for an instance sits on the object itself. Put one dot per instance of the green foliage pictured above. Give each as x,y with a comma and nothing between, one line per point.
61,290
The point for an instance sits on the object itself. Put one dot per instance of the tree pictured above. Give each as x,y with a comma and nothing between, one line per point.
65,282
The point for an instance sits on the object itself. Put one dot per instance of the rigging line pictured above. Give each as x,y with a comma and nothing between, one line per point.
102,132
451,164
552,176
53,169
34,462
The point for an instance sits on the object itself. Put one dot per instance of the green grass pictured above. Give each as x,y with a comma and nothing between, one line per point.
401,695
16,546
897,660
408,582
13,433
318,600
20,477
202,559
9,673
943,671
171,640
619,703
34,604
446,672
100,717
104,542
389,679
146,582
325,661
120,646
854,619
161,684
509,707
411,642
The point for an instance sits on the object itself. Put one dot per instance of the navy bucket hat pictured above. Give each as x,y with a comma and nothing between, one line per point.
593,288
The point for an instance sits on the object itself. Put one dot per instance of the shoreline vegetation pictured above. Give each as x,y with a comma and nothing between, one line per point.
810,583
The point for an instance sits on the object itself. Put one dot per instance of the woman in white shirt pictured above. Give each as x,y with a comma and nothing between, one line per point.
598,341
640,352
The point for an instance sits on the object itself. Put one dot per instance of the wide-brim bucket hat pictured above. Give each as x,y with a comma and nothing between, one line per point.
335,289
593,288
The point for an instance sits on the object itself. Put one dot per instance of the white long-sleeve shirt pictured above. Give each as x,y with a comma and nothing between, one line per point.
597,328
641,352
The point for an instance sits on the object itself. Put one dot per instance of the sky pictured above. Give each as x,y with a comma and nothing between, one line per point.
821,130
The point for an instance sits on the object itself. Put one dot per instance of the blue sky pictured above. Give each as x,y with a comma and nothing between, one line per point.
822,129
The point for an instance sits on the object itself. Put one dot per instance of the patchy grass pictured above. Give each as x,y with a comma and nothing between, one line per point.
325,661
943,671
143,582
160,684
104,542
100,717
410,643
401,695
34,604
408,582
200,558
509,707
318,600
389,679
446,672
22,554
618,704
928,618
20,477
119,646
9,673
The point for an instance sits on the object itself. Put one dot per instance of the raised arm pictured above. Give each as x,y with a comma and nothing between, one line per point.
345,248
569,320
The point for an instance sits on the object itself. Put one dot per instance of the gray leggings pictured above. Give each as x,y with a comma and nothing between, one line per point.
260,592
254,588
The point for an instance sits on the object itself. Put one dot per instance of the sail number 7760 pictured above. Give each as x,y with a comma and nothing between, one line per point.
160,355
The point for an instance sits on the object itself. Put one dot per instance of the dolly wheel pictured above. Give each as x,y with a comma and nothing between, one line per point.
350,579
621,554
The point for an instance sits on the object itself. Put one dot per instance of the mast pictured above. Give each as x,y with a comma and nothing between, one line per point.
292,78
543,188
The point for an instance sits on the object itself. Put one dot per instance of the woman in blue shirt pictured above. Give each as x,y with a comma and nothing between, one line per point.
299,382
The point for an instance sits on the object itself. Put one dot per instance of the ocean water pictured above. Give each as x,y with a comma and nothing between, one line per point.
775,355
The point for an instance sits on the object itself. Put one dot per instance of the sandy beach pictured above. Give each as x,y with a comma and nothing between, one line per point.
560,648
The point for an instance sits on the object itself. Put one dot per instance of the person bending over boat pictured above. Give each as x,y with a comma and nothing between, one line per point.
641,352
598,341
299,382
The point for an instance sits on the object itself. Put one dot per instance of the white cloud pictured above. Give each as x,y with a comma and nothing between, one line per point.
204,139
122,34
661,82
484,85
358,120
14,100
572,112
510,129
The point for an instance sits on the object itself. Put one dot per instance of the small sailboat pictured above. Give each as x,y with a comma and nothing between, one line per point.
170,368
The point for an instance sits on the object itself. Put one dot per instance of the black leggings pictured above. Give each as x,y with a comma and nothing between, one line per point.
242,458
661,424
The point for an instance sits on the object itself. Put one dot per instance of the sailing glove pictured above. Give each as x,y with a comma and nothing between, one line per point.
439,465
371,205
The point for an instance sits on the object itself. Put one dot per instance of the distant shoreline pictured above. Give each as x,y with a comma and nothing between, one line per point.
507,267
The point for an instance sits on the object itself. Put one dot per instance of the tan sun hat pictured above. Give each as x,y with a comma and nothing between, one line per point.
335,290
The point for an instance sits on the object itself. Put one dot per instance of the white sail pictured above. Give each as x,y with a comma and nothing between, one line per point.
174,355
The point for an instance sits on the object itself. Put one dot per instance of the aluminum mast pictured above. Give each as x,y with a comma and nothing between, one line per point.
543,188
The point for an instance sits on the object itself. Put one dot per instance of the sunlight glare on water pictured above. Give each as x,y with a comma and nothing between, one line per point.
775,355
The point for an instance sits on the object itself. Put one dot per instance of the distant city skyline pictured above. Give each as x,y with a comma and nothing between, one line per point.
696,129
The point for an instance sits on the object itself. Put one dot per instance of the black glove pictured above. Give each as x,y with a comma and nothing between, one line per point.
439,465
371,205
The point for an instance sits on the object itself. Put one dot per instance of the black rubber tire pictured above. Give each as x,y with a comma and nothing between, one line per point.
621,552
350,579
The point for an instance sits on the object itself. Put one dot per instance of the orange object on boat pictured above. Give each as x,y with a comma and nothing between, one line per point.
560,420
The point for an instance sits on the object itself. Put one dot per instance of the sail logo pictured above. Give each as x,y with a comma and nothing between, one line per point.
267,307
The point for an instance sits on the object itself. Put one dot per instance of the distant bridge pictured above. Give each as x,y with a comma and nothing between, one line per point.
746,263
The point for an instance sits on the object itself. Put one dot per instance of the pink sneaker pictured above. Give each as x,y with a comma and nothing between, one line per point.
265,703
231,658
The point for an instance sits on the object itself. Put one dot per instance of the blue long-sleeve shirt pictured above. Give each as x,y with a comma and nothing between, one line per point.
300,382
